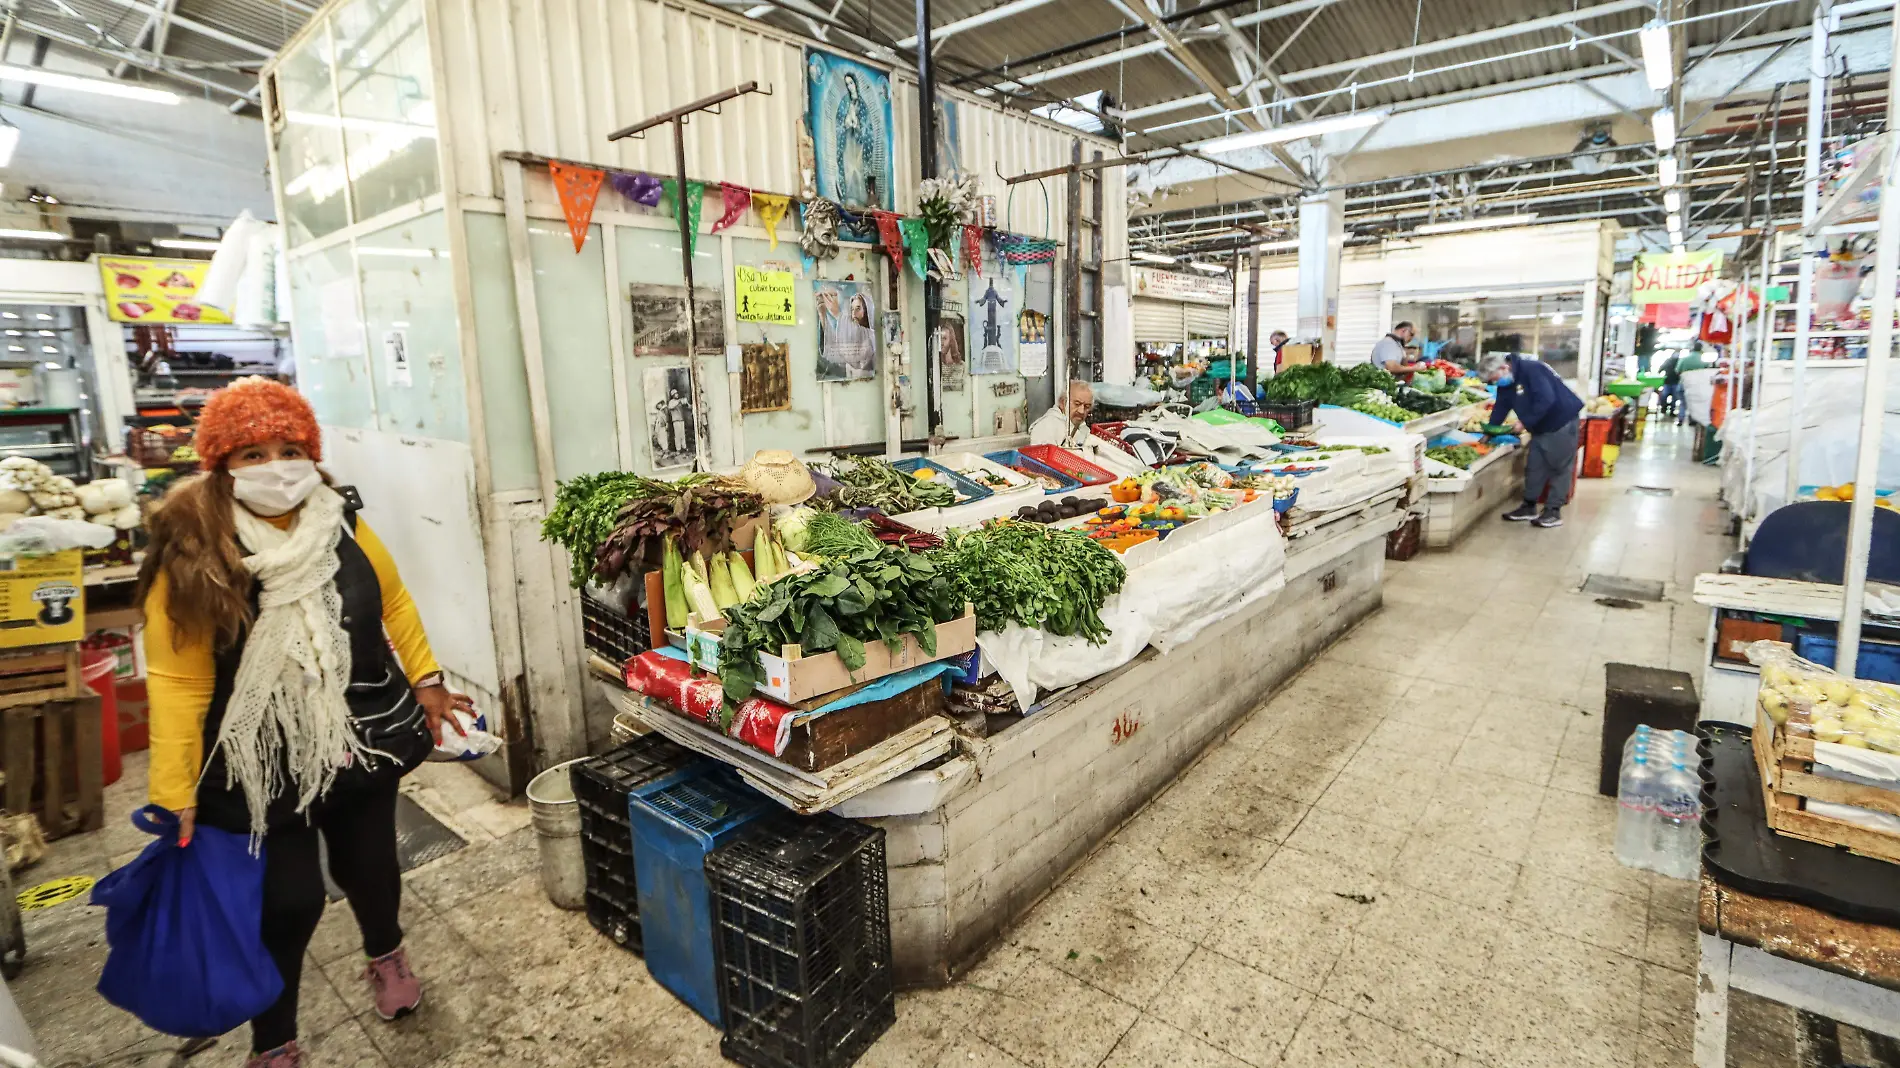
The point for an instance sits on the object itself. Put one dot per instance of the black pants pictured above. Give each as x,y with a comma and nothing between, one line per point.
1547,468
359,829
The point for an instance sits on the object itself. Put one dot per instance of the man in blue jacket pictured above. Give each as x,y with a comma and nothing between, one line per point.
1548,409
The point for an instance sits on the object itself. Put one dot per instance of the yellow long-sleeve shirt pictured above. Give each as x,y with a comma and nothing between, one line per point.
181,672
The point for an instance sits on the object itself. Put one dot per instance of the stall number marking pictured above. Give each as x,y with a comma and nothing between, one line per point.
54,892
1125,727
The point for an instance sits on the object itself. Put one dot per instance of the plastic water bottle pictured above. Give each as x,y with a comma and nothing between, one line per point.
1679,823
1643,736
1636,797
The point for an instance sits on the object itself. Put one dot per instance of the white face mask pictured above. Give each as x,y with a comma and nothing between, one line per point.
276,487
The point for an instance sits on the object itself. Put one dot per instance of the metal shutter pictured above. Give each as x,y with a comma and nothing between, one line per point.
1159,320
1279,310
1359,327
1208,320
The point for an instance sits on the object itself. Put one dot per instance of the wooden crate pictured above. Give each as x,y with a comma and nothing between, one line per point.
1785,758
52,760
40,673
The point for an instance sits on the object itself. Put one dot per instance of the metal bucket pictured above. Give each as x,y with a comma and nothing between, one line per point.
557,830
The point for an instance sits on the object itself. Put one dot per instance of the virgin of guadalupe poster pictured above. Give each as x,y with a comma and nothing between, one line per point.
949,140
848,110
992,326
847,331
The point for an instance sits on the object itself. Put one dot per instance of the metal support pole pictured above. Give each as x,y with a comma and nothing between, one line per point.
1873,398
1810,207
701,425
1253,321
927,168
1738,352
1072,299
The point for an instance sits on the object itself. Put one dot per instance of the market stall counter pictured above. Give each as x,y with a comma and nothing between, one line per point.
1456,499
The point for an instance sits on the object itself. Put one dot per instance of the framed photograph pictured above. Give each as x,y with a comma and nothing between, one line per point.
659,319
672,435
847,331
952,369
765,377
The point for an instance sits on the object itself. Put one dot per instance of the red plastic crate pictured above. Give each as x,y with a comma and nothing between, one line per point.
1068,463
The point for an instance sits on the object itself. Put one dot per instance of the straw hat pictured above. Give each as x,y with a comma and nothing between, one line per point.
778,477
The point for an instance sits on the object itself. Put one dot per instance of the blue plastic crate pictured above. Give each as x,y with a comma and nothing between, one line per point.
1879,661
967,490
1013,458
677,819
1282,504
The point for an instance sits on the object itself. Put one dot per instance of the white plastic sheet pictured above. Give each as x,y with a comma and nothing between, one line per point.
1830,435
1165,603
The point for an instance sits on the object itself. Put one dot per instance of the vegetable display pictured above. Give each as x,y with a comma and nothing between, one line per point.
1327,383
1458,456
1056,580
615,522
869,482
875,594
1422,402
586,510
833,536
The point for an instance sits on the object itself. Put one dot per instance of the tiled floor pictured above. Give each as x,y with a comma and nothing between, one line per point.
1399,861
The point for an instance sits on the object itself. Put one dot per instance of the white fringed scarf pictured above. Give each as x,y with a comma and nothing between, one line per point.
287,704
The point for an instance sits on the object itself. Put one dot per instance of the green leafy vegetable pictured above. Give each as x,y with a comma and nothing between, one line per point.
828,534
585,512
1027,573
869,482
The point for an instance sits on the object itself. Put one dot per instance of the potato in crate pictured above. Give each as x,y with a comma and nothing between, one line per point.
1828,748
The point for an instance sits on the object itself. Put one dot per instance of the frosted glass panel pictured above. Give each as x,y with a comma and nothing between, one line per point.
652,257
570,294
388,101
409,308
509,427
310,144
326,330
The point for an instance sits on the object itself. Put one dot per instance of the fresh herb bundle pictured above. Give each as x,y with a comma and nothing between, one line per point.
1027,573
698,509
830,535
585,512
874,594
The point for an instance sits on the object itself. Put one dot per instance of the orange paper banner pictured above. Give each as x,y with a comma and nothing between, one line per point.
578,188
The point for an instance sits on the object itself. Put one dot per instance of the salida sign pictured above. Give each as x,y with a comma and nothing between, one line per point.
1673,277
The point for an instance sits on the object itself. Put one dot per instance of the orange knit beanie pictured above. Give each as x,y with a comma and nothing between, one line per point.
251,410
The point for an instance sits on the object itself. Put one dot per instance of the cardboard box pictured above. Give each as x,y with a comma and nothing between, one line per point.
42,599
792,676
1293,353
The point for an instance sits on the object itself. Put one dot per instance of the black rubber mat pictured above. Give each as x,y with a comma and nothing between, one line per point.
1742,851
420,838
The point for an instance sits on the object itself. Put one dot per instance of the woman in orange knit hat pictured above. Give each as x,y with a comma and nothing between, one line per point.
278,708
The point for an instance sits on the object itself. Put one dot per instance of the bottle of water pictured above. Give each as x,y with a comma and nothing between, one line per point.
1679,823
1636,797
1641,737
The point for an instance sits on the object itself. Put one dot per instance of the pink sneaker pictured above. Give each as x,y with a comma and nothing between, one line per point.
395,987
284,1056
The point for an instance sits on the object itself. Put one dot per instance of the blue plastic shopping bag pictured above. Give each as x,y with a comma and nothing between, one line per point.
184,927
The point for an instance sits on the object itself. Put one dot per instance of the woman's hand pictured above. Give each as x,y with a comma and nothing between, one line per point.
437,702
187,823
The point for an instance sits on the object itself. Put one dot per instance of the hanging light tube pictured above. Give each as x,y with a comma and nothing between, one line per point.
1662,123
1151,257
1275,135
1485,223
1672,201
1666,171
1675,223
1659,65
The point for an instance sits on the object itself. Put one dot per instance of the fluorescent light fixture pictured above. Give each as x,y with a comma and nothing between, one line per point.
43,316
1675,223
1277,246
1520,317
1556,318
1662,124
1666,170
16,348
192,243
9,315
1486,223
43,333
1210,268
1358,120
32,235
1151,257
48,348
126,90
1658,59
1672,201
9,140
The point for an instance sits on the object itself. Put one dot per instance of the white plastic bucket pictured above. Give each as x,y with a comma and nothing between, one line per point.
557,831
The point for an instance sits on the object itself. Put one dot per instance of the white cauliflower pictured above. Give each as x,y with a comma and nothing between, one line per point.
128,517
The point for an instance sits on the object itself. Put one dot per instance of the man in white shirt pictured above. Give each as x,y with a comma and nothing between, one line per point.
1067,423
1390,353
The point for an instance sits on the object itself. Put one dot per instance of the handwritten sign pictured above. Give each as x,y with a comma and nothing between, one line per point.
765,296
1673,277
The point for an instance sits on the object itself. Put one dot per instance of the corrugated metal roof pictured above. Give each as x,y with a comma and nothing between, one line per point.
207,46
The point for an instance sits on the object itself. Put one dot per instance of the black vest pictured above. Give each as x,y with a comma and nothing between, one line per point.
383,707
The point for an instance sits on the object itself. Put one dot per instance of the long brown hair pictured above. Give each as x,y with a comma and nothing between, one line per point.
193,543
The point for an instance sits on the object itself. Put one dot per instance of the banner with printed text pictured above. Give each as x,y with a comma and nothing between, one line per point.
1673,277
144,289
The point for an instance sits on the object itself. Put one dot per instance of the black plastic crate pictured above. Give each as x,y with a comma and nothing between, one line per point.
615,637
601,785
802,931
1289,414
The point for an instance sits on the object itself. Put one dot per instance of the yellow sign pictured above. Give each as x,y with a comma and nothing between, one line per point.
54,892
765,296
41,599
141,289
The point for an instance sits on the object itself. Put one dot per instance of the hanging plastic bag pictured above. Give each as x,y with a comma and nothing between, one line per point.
465,739
184,924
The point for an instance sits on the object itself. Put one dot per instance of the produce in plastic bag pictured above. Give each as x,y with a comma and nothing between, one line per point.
1813,700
